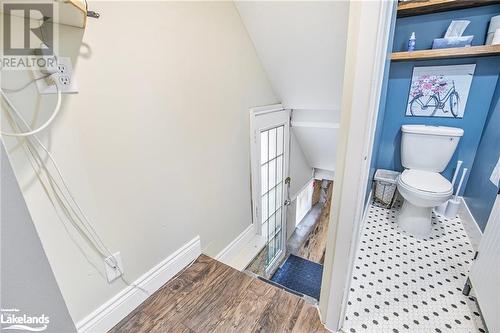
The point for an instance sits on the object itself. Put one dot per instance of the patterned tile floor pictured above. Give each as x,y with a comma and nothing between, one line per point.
404,284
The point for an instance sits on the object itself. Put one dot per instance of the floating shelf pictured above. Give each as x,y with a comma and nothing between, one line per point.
419,7
459,52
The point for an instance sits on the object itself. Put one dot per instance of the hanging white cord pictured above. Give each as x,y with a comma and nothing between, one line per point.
83,225
45,125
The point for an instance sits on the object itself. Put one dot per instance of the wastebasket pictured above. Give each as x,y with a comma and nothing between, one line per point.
385,187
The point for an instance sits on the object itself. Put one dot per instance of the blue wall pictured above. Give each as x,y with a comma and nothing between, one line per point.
428,27
480,193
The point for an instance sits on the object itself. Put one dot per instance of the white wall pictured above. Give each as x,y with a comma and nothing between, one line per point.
301,171
302,47
155,145
317,132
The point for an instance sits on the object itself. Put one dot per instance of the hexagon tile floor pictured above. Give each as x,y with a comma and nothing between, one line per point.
404,284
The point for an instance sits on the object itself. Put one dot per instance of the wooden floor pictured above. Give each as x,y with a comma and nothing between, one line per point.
315,246
212,297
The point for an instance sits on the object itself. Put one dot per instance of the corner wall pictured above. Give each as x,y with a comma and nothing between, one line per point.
480,193
156,144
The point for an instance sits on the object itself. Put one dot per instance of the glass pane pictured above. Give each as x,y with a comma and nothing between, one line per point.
264,208
270,251
263,147
272,226
280,141
272,143
264,178
272,200
279,195
279,169
265,229
272,173
278,219
278,241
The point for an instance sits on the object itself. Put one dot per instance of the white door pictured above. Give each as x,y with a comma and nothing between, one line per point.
485,272
270,130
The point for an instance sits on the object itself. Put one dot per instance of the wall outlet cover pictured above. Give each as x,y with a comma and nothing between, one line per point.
62,75
114,266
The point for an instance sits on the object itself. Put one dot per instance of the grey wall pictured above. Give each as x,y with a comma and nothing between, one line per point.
27,281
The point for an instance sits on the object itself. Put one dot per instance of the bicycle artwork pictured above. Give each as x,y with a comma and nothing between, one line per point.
439,91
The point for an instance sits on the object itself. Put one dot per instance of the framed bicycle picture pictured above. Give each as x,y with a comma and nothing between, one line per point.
439,91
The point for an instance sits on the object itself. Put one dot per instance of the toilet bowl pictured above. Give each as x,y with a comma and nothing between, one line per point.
421,190
425,153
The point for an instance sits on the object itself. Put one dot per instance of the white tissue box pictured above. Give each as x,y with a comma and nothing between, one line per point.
444,43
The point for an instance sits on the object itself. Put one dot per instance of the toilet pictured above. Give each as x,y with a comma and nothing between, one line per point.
425,153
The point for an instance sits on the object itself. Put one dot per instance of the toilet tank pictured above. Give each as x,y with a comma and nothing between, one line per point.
428,148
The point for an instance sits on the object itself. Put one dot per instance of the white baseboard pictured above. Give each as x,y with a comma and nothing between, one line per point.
237,245
110,313
470,224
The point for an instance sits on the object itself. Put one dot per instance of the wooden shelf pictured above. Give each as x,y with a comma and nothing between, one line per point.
459,52
419,7
68,12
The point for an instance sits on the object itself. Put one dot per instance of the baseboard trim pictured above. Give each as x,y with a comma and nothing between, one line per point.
236,246
118,307
470,225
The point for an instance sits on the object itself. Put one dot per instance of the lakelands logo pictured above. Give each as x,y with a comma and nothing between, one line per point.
28,35
12,319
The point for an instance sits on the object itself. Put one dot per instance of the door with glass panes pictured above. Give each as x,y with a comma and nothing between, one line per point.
270,149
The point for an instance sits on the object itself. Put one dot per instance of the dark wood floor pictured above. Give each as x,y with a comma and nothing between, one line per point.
212,297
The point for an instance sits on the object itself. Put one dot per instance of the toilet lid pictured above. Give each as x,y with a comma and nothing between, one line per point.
426,181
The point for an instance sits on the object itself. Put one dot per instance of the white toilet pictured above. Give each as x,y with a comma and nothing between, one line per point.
425,152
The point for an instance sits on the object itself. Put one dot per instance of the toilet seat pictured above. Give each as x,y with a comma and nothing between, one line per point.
427,182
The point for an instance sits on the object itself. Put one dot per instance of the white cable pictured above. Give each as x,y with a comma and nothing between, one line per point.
63,201
91,235
11,90
98,243
42,127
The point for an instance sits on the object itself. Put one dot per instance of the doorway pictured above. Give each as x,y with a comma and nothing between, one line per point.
292,219
270,130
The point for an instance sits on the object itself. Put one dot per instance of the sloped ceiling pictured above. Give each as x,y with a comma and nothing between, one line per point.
301,45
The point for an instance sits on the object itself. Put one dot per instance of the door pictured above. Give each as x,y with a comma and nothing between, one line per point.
270,130
485,272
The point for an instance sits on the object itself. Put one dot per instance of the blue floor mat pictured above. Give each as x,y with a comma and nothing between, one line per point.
301,275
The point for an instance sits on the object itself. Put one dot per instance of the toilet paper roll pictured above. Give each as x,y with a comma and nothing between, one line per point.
494,24
496,37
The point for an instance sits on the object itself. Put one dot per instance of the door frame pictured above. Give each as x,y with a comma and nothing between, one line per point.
367,54
255,170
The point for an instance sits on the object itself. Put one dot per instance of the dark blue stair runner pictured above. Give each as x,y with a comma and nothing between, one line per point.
301,275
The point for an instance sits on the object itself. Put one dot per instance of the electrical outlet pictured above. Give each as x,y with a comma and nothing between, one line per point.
114,266
62,75
64,80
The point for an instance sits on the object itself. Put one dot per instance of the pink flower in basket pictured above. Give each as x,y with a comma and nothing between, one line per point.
429,85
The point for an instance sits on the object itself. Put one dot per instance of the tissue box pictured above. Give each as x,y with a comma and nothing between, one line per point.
444,43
